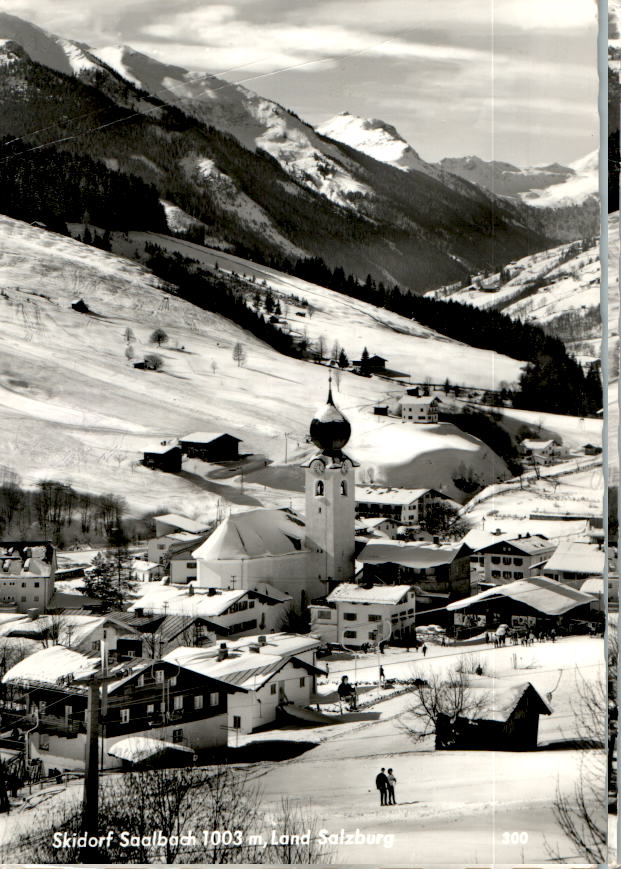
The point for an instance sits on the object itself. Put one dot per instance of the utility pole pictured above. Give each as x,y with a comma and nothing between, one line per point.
90,805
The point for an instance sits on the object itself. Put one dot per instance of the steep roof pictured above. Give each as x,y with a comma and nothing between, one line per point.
577,557
531,444
416,554
252,534
528,545
170,600
498,701
349,592
181,522
51,666
160,449
546,595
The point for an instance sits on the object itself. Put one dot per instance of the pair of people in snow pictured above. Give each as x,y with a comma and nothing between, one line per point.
385,783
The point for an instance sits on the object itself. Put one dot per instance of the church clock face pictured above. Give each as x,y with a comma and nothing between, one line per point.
346,467
317,468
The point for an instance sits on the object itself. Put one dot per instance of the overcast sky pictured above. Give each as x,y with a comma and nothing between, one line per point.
511,80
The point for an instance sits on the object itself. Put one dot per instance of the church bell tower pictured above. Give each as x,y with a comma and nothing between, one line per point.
330,497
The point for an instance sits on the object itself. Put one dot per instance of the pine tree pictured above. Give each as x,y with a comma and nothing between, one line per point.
343,360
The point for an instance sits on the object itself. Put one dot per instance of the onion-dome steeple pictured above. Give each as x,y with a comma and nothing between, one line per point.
329,429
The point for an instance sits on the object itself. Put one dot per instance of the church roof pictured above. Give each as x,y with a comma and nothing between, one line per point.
329,429
253,534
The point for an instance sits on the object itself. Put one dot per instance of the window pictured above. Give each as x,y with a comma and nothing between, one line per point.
95,645
190,564
302,681
372,635
350,635
495,559
198,701
350,617
518,561
324,615
375,618
42,707
272,689
214,699
172,681
343,487
236,722
518,575
178,703
36,597
150,708
36,585
506,574
23,598
140,682
319,487
124,716
495,573
177,735
159,676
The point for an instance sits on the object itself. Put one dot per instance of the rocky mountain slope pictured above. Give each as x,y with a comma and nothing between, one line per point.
250,172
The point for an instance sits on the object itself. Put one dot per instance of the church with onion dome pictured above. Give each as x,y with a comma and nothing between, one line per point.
272,547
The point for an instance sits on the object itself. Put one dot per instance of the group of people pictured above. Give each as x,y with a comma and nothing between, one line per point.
525,639
385,782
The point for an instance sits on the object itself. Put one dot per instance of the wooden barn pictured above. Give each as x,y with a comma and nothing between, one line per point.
500,719
210,446
163,457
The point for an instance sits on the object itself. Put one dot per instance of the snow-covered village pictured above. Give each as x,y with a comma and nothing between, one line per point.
303,547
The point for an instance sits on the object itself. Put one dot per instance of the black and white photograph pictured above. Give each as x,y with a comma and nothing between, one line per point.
308,432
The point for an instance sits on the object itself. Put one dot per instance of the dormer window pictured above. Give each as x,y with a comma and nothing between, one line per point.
319,487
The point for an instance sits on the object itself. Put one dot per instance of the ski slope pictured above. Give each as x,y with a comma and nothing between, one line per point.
72,407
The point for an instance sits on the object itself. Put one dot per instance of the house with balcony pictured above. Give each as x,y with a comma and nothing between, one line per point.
422,409
433,566
153,699
27,571
268,671
353,615
573,562
542,452
404,506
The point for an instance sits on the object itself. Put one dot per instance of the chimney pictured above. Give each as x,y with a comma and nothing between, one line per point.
254,647
223,652
191,590
211,592
262,640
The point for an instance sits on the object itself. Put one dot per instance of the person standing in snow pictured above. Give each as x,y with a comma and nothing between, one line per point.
392,781
382,675
424,649
381,783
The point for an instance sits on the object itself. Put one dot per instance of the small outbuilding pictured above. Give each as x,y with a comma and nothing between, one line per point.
210,446
496,719
163,457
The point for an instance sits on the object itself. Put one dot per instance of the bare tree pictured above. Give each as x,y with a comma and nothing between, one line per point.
158,337
438,703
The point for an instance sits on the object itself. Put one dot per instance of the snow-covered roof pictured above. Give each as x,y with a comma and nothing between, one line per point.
374,521
181,522
51,666
68,629
160,448
206,437
282,642
245,669
375,495
253,534
139,564
496,701
593,585
576,557
531,444
529,544
419,400
170,600
139,748
349,592
546,595
417,553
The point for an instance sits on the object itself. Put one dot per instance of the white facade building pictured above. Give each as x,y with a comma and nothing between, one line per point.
419,409
353,614
405,506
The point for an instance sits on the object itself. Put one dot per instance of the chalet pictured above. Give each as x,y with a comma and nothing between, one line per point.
536,602
153,699
506,560
573,562
592,450
267,671
378,526
210,446
354,614
542,452
145,571
171,530
230,612
501,718
81,632
163,457
373,364
380,410
434,567
182,566
27,574
422,410
405,506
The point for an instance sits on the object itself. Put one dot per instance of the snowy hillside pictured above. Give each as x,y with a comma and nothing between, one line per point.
581,185
72,407
505,179
559,289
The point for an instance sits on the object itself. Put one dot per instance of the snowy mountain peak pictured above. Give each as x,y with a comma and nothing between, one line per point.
63,55
376,138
